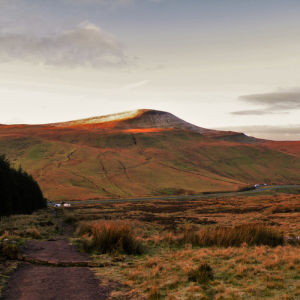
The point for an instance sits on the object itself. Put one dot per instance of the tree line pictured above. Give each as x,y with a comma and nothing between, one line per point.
19,192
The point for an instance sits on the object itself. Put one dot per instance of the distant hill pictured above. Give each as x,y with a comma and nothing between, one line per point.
143,153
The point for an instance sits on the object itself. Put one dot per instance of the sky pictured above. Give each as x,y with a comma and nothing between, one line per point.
230,64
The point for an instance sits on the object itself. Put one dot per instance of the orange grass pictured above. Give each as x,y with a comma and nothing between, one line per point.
109,237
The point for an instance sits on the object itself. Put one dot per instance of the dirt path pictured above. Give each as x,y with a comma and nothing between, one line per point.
34,282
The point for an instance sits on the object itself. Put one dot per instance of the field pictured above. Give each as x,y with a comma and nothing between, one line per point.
173,263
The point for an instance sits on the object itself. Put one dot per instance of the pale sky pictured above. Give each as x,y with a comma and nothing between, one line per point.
231,64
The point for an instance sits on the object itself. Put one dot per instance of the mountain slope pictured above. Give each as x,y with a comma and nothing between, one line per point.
141,153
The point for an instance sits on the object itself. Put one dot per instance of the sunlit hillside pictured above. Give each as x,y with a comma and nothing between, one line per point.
144,153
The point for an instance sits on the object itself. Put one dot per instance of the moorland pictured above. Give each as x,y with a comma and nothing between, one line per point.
242,247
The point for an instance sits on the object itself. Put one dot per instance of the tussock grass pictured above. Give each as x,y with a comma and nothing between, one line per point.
109,237
154,293
202,274
9,250
251,234
90,217
9,236
70,219
235,236
84,229
283,208
33,233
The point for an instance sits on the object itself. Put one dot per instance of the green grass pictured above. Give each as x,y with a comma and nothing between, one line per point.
38,151
159,161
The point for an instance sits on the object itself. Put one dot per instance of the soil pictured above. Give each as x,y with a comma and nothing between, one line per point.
55,251
35,282
32,282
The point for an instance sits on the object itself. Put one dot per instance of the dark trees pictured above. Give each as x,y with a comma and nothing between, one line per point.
19,192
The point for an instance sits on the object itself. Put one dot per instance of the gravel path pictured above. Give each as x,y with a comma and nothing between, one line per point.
35,282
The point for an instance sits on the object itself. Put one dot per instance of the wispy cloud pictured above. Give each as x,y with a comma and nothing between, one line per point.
278,102
86,45
134,85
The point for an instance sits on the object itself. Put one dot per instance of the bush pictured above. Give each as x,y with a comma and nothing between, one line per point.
251,234
202,274
109,237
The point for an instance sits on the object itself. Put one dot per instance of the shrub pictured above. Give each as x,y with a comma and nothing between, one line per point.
110,237
33,232
9,250
202,274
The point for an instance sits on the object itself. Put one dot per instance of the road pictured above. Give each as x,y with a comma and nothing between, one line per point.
257,190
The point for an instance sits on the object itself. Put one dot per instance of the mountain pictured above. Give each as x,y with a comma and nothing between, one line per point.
144,153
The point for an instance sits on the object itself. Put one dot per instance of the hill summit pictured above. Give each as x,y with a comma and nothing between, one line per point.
135,119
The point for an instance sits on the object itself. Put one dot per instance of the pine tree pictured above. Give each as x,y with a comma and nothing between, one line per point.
19,192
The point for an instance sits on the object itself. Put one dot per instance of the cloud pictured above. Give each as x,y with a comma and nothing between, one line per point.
279,102
257,112
280,133
86,45
112,3
134,85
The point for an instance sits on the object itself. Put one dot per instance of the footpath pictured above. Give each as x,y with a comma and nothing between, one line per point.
54,269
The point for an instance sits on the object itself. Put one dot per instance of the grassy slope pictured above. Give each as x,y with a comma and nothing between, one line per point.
83,164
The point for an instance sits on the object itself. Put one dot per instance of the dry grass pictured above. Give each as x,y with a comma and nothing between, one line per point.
9,250
283,208
70,219
201,274
237,237
33,233
109,237
251,234
37,225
